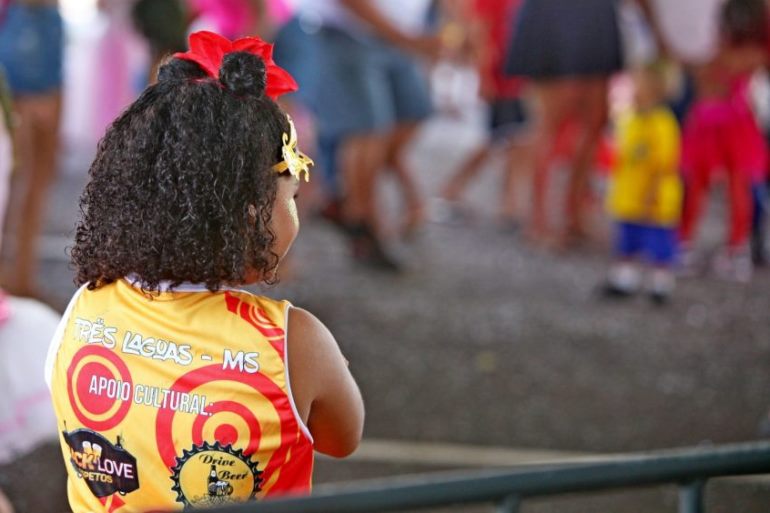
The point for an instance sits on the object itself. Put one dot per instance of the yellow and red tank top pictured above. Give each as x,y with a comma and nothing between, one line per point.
174,400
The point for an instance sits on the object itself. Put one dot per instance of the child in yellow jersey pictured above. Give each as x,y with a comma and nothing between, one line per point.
645,193
171,386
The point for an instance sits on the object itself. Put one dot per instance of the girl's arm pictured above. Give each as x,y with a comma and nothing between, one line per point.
427,45
654,23
326,395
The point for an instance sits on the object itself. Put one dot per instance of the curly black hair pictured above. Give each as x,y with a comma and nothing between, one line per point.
181,188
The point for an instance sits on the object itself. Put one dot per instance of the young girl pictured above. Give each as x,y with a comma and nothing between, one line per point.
721,134
171,386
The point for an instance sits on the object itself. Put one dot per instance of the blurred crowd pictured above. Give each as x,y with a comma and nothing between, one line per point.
646,104
656,100
687,81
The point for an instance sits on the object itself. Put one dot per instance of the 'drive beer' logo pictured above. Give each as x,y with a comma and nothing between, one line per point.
106,468
213,474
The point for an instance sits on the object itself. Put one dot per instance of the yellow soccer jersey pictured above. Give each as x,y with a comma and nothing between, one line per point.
645,186
175,400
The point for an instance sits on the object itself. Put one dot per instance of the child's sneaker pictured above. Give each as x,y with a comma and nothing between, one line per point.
733,264
623,280
368,250
661,286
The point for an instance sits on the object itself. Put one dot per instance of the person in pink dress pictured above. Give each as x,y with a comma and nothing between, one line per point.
721,135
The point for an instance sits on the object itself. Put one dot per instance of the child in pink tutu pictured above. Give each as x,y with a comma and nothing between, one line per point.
721,134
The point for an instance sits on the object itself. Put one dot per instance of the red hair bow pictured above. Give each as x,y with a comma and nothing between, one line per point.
207,49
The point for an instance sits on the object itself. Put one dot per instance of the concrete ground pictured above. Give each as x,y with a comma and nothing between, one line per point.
487,341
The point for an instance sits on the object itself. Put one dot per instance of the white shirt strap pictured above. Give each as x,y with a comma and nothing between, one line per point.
53,348
301,423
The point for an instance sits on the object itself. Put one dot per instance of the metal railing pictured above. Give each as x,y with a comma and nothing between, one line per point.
689,468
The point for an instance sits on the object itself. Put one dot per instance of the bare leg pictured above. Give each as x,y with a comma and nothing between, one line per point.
361,161
5,504
518,157
470,167
401,136
553,109
592,103
38,140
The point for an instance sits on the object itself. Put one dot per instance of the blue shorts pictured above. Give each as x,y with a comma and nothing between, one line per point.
367,86
657,243
296,50
32,48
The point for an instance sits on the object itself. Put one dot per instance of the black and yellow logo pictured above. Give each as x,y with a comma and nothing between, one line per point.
213,474
106,468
